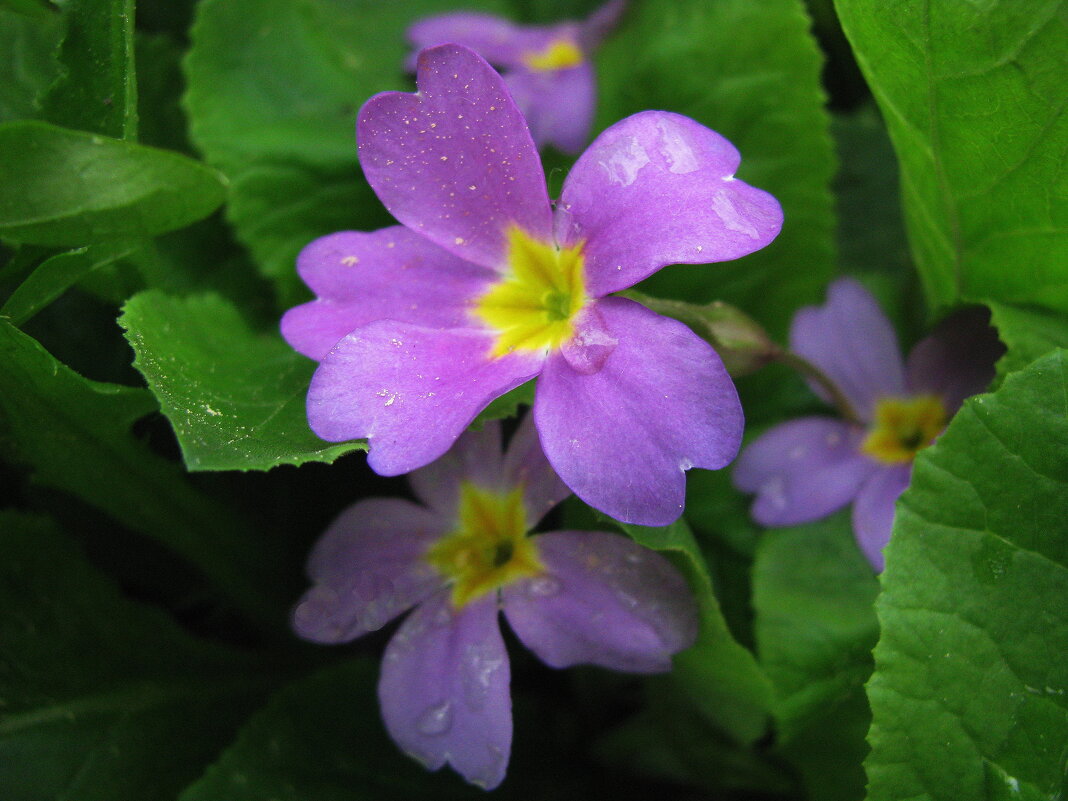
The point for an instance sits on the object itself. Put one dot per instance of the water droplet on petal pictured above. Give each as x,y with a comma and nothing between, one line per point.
544,586
436,720
635,557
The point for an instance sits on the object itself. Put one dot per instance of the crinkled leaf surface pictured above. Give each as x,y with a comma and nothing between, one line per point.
234,396
75,435
97,90
104,699
718,675
67,188
761,90
274,87
813,595
973,96
1027,333
971,680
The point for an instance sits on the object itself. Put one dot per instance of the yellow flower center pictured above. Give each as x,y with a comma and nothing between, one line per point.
532,307
560,54
904,426
489,548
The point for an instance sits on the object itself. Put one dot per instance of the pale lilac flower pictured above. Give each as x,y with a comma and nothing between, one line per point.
572,597
810,467
546,67
418,327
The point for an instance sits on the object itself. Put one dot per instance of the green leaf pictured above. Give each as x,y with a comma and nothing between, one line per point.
718,676
56,275
75,435
28,65
973,96
1027,333
974,612
871,231
104,699
68,189
274,87
98,90
234,396
750,71
813,595
321,739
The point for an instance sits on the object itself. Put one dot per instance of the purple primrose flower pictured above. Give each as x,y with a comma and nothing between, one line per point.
808,468
418,327
572,597
546,67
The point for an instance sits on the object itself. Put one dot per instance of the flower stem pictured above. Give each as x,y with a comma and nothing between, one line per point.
809,370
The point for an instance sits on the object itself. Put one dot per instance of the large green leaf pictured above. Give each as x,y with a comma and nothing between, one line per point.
75,435
717,675
973,95
813,595
234,396
750,71
1027,333
274,87
103,699
28,65
97,91
971,680
321,739
66,188
55,275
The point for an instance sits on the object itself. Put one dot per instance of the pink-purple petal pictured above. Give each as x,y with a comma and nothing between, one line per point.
558,104
525,465
389,274
623,437
852,342
476,457
497,40
603,600
368,568
956,360
597,26
444,689
455,161
411,391
803,470
873,511
658,188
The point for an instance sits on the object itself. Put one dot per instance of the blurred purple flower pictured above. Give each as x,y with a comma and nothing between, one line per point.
418,327
546,67
808,468
572,597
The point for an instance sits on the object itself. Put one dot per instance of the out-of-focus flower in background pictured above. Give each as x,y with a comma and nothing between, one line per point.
808,468
485,286
546,67
572,597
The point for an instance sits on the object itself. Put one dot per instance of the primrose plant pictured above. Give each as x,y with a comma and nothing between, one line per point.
487,284
572,597
808,468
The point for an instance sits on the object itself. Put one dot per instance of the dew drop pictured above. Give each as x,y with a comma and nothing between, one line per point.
436,719
544,586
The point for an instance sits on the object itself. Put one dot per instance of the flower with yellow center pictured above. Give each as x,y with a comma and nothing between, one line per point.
559,54
904,426
489,548
533,307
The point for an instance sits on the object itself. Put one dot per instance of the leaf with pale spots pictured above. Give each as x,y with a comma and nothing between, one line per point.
234,395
